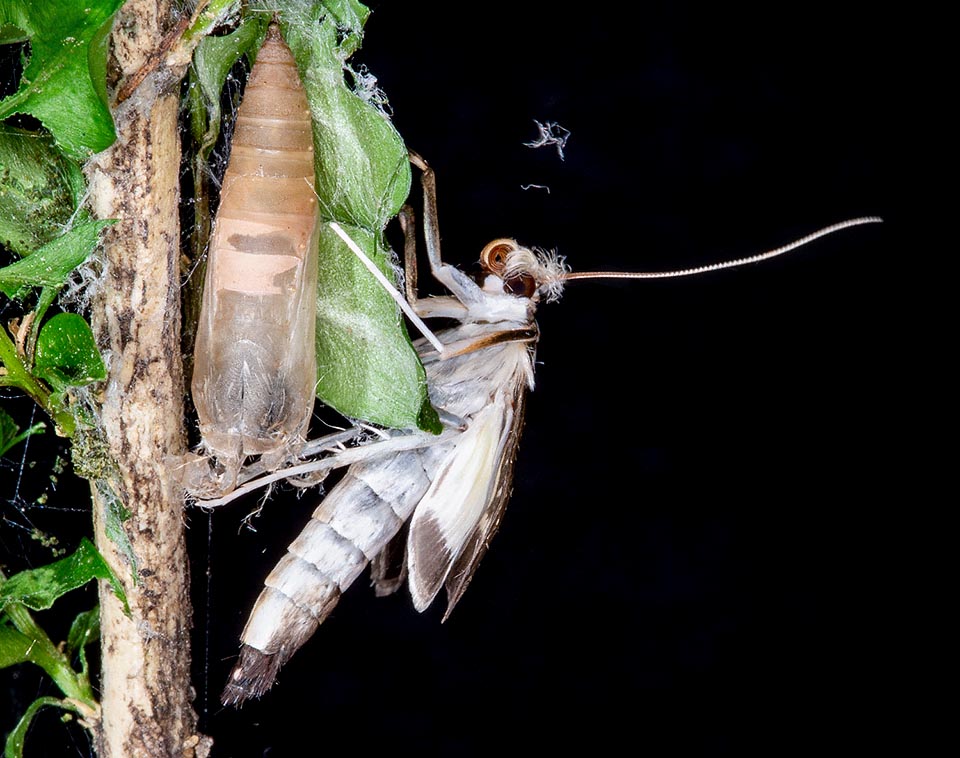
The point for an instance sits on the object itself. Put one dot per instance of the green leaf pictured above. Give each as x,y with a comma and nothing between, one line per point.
14,646
368,367
10,35
84,630
10,433
363,173
21,639
212,61
17,647
376,373
63,83
16,738
39,588
26,642
39,189
66,353
51,264
46,298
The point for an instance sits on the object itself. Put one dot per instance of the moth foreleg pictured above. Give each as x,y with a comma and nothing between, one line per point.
461,285
429,307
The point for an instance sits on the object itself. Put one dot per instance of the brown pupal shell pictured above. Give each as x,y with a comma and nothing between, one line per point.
254,362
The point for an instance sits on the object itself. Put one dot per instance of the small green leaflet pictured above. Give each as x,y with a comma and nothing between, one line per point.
16,738
17,647
39,588
66,354
14,646
84,630
10,433
51,264
212,61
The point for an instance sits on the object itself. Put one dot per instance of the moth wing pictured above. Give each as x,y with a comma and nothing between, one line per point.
464,567
454,522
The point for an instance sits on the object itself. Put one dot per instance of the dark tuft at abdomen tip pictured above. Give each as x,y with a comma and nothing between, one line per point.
251,677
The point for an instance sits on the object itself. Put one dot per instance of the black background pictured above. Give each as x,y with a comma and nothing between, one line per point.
693,561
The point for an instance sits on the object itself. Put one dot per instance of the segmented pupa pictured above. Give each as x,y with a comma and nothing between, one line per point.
255,365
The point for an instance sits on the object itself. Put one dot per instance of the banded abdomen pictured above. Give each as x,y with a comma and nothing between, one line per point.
366,510
255,365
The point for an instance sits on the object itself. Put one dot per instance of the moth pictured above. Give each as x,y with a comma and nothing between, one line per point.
417,508
255,367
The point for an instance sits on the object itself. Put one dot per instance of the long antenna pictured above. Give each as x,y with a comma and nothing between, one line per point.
569,275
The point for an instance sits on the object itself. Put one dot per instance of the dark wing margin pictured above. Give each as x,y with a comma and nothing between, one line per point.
465,565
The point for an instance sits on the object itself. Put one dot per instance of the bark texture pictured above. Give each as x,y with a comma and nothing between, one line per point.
146,695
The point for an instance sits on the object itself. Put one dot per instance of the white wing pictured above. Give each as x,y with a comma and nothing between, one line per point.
469,485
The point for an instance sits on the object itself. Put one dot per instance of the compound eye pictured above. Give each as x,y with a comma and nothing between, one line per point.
493,260
521,286
493,257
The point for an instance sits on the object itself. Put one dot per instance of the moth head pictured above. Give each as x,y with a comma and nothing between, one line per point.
524,272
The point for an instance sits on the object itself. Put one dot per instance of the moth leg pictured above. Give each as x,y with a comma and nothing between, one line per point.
388,568
328,443
367,452
444,306
452,420
462,286
408,223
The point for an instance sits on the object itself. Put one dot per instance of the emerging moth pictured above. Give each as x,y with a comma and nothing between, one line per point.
255,366
418,507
